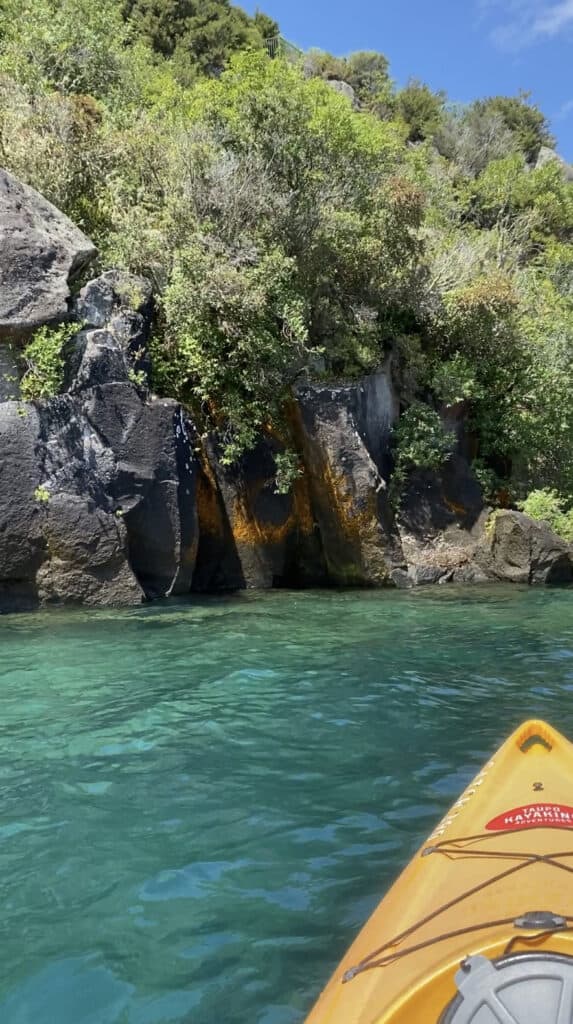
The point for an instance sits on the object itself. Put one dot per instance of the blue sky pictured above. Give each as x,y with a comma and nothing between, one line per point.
469,48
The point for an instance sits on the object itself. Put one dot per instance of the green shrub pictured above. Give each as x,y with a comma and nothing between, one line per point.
288,469
42,495
421,441
548,506
201,35
454,380
44,362
283,230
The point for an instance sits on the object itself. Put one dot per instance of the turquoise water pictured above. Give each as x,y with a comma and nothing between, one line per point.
200,804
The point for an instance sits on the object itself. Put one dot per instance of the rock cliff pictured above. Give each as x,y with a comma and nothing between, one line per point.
97,485
109,496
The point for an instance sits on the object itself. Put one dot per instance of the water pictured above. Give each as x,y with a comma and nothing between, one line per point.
201,804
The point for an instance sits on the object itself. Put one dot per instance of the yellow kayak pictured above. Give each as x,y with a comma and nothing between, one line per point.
478,929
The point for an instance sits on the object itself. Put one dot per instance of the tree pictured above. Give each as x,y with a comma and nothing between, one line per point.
524,120
473,136
201,34
266,26
293,243
421,109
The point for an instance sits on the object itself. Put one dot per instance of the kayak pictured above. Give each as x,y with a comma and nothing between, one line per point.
478,929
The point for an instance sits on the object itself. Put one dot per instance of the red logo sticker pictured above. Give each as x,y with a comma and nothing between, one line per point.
532,816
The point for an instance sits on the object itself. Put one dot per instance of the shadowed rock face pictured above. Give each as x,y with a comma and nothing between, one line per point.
86,550
41,252
251,536
441,521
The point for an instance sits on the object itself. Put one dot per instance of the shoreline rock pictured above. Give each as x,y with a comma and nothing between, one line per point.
108,496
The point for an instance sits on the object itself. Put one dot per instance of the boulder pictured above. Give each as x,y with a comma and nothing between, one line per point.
344,435
116,312
402,579
133,458
142,448
96,359
518,549
87,555
441,521
123,304
547,155
41,252
112,292
55,544
345,90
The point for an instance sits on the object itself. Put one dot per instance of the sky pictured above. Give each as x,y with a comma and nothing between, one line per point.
469,48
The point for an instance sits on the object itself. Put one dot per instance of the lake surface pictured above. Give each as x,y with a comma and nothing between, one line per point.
200,804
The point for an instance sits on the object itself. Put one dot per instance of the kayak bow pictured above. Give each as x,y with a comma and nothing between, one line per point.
478,929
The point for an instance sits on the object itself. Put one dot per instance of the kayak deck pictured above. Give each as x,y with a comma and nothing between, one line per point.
503,851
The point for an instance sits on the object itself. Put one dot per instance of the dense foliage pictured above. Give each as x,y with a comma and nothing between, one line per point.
290,231
200,35
547,506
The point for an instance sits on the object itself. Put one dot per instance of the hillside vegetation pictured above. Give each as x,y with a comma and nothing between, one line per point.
291,232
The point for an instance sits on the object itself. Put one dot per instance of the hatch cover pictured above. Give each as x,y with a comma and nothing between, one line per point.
527,988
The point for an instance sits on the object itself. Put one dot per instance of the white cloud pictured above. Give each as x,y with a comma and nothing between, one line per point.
565,111
525,22
553,19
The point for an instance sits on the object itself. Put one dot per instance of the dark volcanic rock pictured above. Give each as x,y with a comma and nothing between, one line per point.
54,544
22,547
122,304
116,311
96,359
433,500
9,372
153,483
344,436
520,550
133,458
97,486
41,252
87,555
115,290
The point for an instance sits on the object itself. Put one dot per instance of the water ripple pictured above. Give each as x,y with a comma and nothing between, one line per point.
201,803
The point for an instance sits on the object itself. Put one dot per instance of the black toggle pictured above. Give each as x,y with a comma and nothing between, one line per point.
543,920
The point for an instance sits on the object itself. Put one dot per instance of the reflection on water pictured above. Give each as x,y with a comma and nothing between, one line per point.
200,804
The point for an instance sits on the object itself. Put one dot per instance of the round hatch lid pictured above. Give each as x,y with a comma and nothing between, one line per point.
527,988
